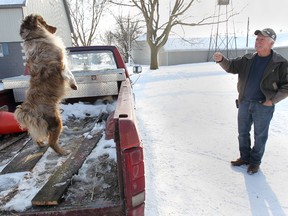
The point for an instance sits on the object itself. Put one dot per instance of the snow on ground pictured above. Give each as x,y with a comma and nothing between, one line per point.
188,124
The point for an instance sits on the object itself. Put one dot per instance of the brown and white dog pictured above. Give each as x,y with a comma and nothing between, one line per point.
46,60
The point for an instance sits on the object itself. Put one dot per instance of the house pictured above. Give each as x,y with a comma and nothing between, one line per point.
12,12
195,50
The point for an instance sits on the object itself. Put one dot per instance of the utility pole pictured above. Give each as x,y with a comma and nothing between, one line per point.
247,36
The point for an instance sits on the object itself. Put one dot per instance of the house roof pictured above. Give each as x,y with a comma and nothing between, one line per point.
12,3
202,43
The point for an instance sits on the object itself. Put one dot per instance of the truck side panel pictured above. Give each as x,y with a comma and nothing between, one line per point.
131,152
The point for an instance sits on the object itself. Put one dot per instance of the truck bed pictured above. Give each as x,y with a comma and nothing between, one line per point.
94,185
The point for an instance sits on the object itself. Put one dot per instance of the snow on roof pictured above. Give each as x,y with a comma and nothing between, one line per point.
12,3
202,43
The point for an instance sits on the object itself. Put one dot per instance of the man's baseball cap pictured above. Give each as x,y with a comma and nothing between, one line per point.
268,32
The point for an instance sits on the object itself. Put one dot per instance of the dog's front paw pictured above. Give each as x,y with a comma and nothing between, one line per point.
73,86
63,152
66,152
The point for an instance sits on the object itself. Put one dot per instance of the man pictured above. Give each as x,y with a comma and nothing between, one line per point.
262,82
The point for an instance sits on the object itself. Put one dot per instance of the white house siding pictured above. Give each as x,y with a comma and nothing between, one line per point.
53,11
194,50
8,18
141,53
182,57
283,51
11,63
11,15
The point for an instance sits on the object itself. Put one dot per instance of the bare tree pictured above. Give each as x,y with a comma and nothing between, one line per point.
157,31
85,16
107,37
127,30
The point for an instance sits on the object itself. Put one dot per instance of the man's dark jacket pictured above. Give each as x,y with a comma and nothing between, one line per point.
274,84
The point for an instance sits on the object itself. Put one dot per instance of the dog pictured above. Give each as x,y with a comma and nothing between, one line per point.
46,61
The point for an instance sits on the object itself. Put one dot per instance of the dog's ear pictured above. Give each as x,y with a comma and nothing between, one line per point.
42,22
51,29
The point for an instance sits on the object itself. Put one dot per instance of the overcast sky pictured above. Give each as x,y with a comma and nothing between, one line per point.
266,13
261,13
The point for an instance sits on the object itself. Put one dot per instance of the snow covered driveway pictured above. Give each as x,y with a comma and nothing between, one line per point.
188,124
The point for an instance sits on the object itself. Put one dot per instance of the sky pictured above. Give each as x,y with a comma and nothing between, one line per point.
261,13
267,13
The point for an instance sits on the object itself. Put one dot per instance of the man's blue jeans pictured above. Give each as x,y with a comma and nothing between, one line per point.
253,112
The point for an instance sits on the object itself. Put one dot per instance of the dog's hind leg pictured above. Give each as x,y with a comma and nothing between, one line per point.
54,131
53,142
37,127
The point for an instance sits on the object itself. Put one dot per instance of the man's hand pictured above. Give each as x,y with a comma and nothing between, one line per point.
217,56
268,103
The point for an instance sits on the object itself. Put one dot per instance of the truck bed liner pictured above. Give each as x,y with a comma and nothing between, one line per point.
82,194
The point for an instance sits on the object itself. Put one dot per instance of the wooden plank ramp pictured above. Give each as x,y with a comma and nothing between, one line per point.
52,192
26,160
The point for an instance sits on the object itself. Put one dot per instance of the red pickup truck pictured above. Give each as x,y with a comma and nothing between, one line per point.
102,79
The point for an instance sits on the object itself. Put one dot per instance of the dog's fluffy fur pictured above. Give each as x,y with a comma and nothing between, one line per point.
46,59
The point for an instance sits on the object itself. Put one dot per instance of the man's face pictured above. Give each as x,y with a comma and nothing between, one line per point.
263,44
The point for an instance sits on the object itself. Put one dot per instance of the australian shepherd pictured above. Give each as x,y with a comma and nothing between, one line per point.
46,61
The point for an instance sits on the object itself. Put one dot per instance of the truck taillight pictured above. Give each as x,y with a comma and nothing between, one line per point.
134,178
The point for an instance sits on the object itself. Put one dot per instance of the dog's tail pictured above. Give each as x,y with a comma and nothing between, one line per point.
36,125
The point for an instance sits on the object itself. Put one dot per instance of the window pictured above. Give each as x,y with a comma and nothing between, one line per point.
1,51
90,61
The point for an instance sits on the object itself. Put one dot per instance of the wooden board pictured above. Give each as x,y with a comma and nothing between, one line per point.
4,108
7,154
26,159
11,140
52,192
